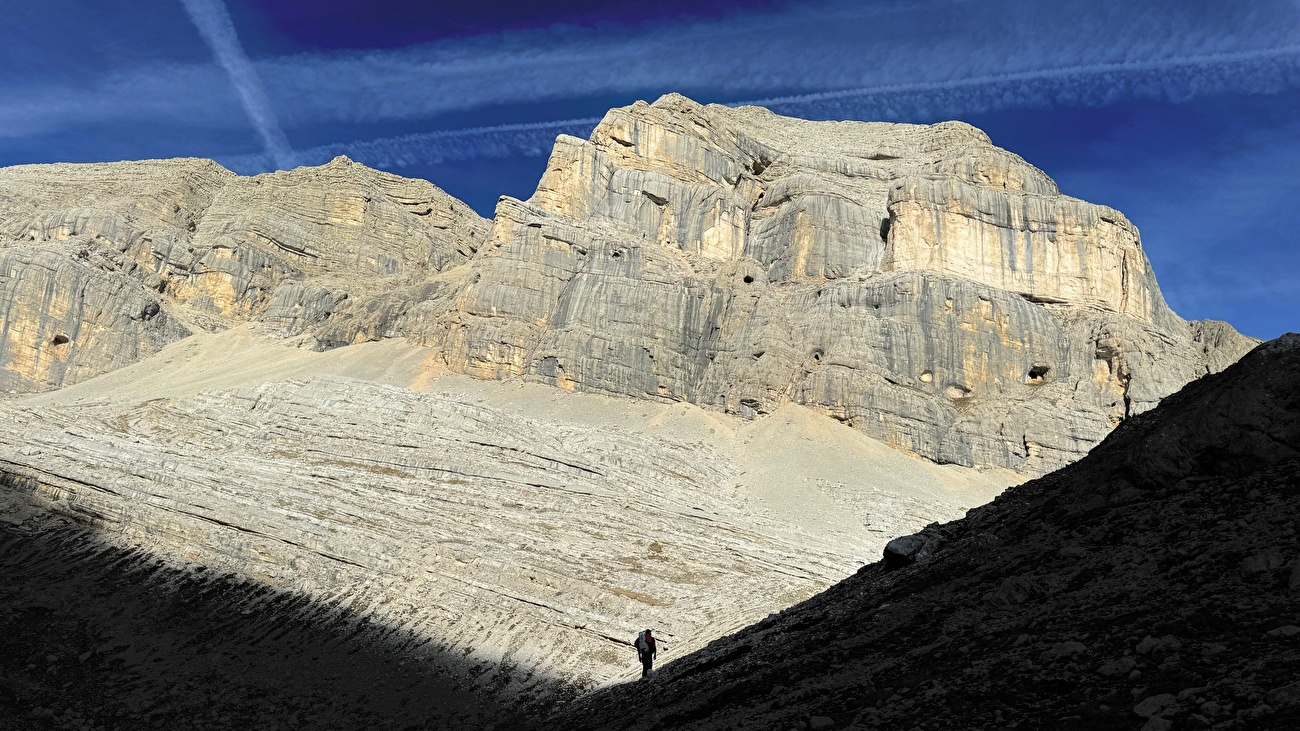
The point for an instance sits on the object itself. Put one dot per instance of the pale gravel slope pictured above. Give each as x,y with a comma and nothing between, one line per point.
511,521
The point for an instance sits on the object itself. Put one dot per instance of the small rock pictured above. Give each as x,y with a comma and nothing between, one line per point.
1289,630
51,659
1117,667
1154,704
1156,723
1064,649
1261,562
85,655
1284,696
1211,709
1214,649
1015,590
816,723
1072,552
1162,646
1261,710
1186,693
907,550
1294,588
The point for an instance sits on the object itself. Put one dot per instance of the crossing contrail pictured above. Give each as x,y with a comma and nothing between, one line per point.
218,31
1257,71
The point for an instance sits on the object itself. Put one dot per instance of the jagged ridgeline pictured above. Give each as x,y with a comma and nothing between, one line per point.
917,282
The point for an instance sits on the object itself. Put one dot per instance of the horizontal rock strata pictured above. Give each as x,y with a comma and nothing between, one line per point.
499,530
817,286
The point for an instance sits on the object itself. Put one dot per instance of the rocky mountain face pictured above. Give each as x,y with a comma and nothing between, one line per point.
103,265
348,395
1152,585
916,282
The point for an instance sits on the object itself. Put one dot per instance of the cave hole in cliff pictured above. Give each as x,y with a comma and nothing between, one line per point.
1037,374
749,279
59,340
657,200
758,166
884,229
817,355
616,255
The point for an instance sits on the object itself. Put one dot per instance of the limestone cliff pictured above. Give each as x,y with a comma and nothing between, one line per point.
101,265
915,282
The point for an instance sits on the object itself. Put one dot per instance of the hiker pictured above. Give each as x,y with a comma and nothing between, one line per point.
645,649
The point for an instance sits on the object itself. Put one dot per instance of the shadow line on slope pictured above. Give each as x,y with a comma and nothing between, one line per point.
93,632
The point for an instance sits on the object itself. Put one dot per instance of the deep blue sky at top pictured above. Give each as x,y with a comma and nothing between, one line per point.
1183,114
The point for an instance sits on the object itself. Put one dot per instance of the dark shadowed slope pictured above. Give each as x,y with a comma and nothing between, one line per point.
97,637
1153,585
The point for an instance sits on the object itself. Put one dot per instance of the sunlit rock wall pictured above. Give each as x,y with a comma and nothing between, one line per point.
917,282
101,265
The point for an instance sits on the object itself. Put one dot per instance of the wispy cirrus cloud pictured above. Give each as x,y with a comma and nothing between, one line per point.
1256,71
816,48
882,60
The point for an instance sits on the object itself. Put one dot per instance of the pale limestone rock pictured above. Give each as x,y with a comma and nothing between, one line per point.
511,524
292,249
915,281
343,224
68,317
1046,248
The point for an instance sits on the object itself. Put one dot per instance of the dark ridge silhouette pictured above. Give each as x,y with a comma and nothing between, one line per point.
94,636
1153,585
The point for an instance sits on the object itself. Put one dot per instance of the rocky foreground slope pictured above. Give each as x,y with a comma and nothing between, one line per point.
525,531
1155,584
915,282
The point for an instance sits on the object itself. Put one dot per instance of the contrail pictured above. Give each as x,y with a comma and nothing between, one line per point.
1254,71
218,31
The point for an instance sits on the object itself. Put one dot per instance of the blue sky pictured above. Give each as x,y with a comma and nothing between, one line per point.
1185,115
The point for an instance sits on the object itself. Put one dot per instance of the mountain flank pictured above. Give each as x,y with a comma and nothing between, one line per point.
1153,585
913,281
714,364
